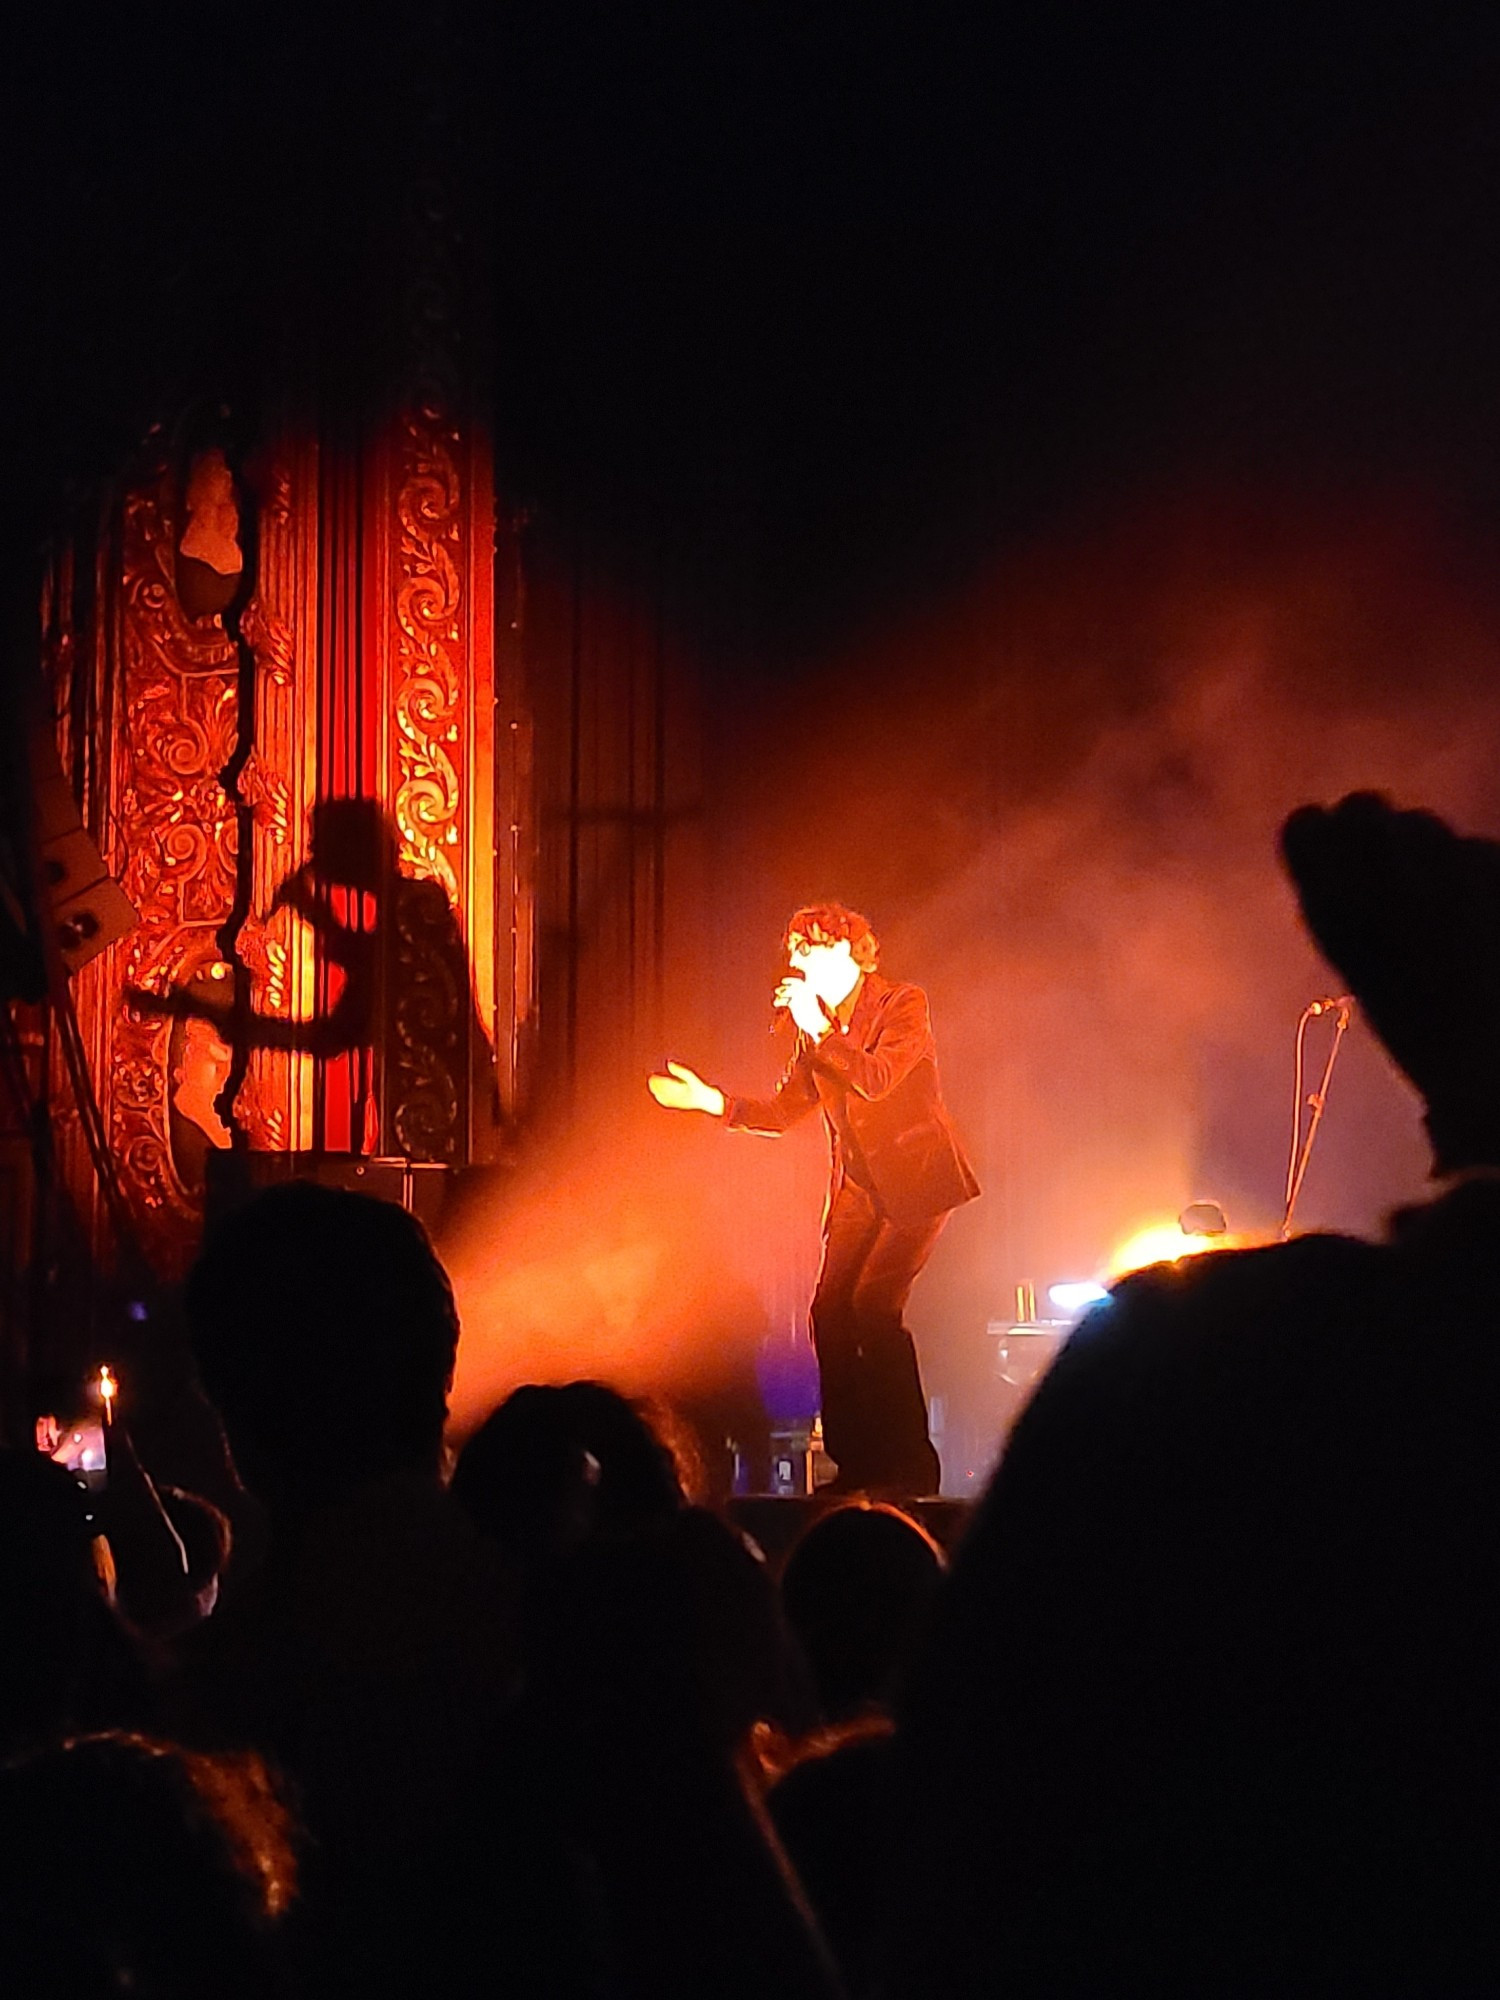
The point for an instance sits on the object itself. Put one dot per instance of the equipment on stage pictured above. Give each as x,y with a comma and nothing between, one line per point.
1024,1350
977,1426
84,907
799,1464
421,1187
1341,1007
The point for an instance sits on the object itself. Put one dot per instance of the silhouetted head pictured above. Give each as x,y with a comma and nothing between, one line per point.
325,1331
1212,1637
669,1635
132,1867
354,843
554,1465
858,1590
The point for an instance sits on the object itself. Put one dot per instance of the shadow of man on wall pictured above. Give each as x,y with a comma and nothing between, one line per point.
395,998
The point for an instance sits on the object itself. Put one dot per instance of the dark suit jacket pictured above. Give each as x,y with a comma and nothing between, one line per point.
877,1086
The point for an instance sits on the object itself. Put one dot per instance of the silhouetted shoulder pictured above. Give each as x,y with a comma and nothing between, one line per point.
1226,1285
1264,1300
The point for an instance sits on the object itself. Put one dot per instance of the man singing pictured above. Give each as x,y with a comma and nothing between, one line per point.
864,1056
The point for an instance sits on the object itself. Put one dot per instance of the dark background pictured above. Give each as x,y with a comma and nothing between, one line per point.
882,289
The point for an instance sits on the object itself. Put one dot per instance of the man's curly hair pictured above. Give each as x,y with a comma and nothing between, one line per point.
828,923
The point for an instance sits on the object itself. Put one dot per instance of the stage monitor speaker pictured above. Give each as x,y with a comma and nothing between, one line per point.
418,1186
85,906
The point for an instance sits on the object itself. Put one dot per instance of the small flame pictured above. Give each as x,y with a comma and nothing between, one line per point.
109,1388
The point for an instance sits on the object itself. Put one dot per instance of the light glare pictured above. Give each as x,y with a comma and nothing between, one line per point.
1076,1296
1161,1243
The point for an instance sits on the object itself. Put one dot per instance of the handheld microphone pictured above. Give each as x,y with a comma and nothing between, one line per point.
781,1010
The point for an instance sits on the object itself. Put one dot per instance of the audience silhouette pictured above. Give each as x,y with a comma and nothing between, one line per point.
1209,1708
554,1465
1206,1706
859,1589
67,1661
134,1867
374,1645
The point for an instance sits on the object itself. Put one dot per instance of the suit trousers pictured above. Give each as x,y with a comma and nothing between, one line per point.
874,1411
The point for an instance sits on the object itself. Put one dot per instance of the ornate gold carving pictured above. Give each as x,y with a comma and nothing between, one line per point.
270,638
278,777
439,697
269,796
176,702
429,679
268,962
275,491
430,1003
166,687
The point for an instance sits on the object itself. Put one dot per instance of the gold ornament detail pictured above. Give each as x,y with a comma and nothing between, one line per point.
178,698
428,704
269,798
270,639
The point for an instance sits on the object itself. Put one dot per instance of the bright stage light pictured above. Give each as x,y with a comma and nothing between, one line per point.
1162,1243
1074,1298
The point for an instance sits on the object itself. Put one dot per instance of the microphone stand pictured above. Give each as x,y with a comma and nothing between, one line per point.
1317,1104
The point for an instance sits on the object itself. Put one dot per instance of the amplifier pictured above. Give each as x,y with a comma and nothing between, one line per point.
418,1186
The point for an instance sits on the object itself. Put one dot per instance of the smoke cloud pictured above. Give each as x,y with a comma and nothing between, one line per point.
1057,798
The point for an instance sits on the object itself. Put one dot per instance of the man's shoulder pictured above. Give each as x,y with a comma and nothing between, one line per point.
889,1007
1305,1260
1457,1229
886,993
1255,1302
1254,1279
1198,1344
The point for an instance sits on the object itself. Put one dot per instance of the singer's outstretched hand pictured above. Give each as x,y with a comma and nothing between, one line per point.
681,1089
